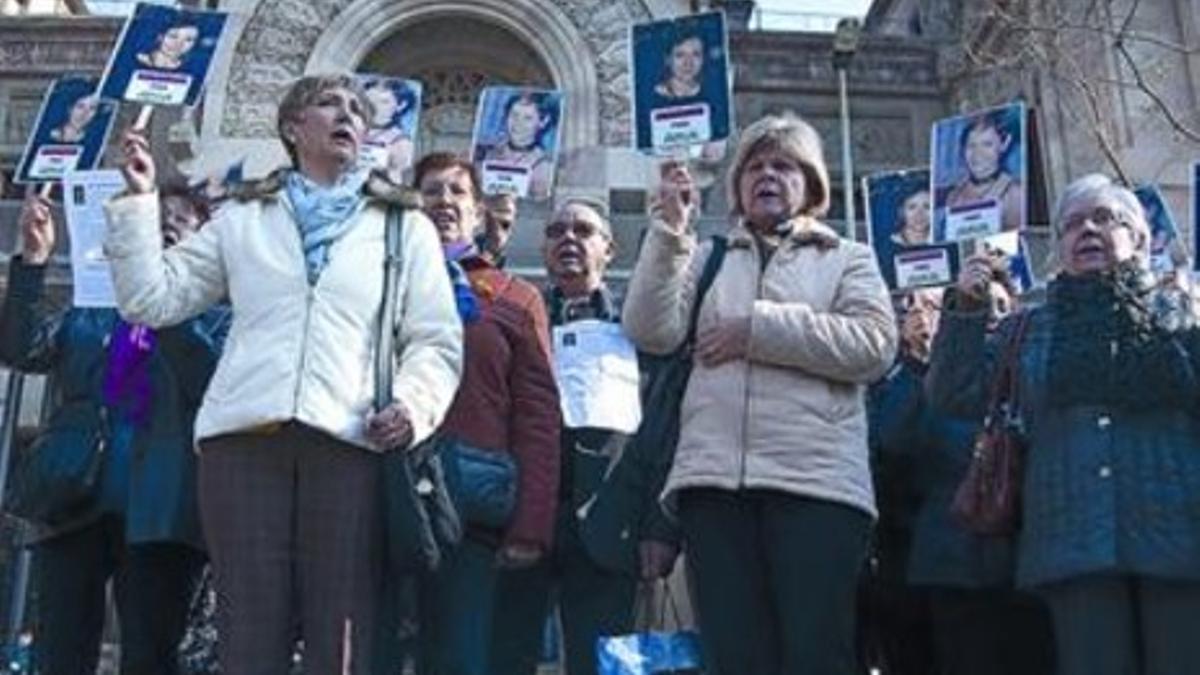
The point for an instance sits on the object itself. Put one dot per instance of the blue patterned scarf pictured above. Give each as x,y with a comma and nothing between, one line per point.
464,296
324,214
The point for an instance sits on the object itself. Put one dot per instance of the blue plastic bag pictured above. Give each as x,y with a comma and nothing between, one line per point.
649,654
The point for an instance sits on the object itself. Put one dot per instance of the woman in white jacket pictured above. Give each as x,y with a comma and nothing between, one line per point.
770,480
289,448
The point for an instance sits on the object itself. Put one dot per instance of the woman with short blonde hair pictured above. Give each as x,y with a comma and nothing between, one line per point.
770,480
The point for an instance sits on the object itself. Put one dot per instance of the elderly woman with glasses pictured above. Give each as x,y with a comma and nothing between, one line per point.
1110,533
290,449
770,480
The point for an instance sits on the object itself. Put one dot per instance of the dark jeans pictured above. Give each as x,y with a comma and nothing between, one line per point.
592,602
153,585
991,632
775,578
456,609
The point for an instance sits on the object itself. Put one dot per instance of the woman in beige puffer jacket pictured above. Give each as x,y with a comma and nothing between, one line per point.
770,480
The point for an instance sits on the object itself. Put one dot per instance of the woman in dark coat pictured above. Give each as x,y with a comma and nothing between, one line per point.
979,624
1110,533
139,390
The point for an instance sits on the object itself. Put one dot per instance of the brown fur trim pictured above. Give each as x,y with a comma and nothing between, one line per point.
381,188
267,187
378,188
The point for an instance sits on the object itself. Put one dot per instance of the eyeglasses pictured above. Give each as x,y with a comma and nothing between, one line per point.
579,228
1102,217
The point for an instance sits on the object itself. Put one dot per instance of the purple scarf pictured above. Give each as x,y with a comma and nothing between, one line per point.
127,381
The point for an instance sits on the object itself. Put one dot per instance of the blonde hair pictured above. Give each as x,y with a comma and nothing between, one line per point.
791,135
305,92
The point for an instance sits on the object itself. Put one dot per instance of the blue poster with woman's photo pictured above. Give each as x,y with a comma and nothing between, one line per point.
516,140
681,94
898,229
69,133
163,55
980,173
390,141
1166,252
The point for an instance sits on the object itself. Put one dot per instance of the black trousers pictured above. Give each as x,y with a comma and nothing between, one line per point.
153,585
592,602
775,578
991,632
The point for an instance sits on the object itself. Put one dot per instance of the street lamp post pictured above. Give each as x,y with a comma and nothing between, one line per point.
845,44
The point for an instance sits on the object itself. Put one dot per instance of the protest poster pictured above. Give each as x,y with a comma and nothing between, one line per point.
899,231
163,55
1166,250
980,173
389,144
516,140
682,90
69,133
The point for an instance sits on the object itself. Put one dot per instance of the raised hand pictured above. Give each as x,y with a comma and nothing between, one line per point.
974,284
678,199
138,165
37,230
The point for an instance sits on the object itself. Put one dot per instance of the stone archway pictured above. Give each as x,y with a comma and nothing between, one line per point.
585,44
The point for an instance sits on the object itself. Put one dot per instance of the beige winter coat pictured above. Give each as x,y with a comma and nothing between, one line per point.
792,417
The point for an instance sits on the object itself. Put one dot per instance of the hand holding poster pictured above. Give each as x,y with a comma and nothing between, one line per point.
163,55
84,195
980,173
69,133
516,140
388,144
898,229
681,82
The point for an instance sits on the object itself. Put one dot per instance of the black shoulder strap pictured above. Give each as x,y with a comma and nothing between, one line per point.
716,256
385,345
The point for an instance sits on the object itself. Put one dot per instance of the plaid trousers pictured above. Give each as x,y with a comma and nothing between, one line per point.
293,521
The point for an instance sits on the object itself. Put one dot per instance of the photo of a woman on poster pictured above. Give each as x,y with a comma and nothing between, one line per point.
69,132
681,84
389,142
172,48
518,129
683,65
163,55
913,224
898,229
979,171
79,118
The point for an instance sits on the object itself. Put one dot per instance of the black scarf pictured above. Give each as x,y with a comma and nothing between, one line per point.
1118,340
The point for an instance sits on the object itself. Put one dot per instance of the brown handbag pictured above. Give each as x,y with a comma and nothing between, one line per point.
988,500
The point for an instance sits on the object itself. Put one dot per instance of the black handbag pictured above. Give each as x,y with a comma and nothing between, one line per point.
56,480
633,485
420,520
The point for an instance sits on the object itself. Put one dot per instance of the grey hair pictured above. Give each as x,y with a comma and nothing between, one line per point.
305,92
596,204
1097,186
792,135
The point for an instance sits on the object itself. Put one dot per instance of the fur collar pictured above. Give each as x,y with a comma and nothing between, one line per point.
378,188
